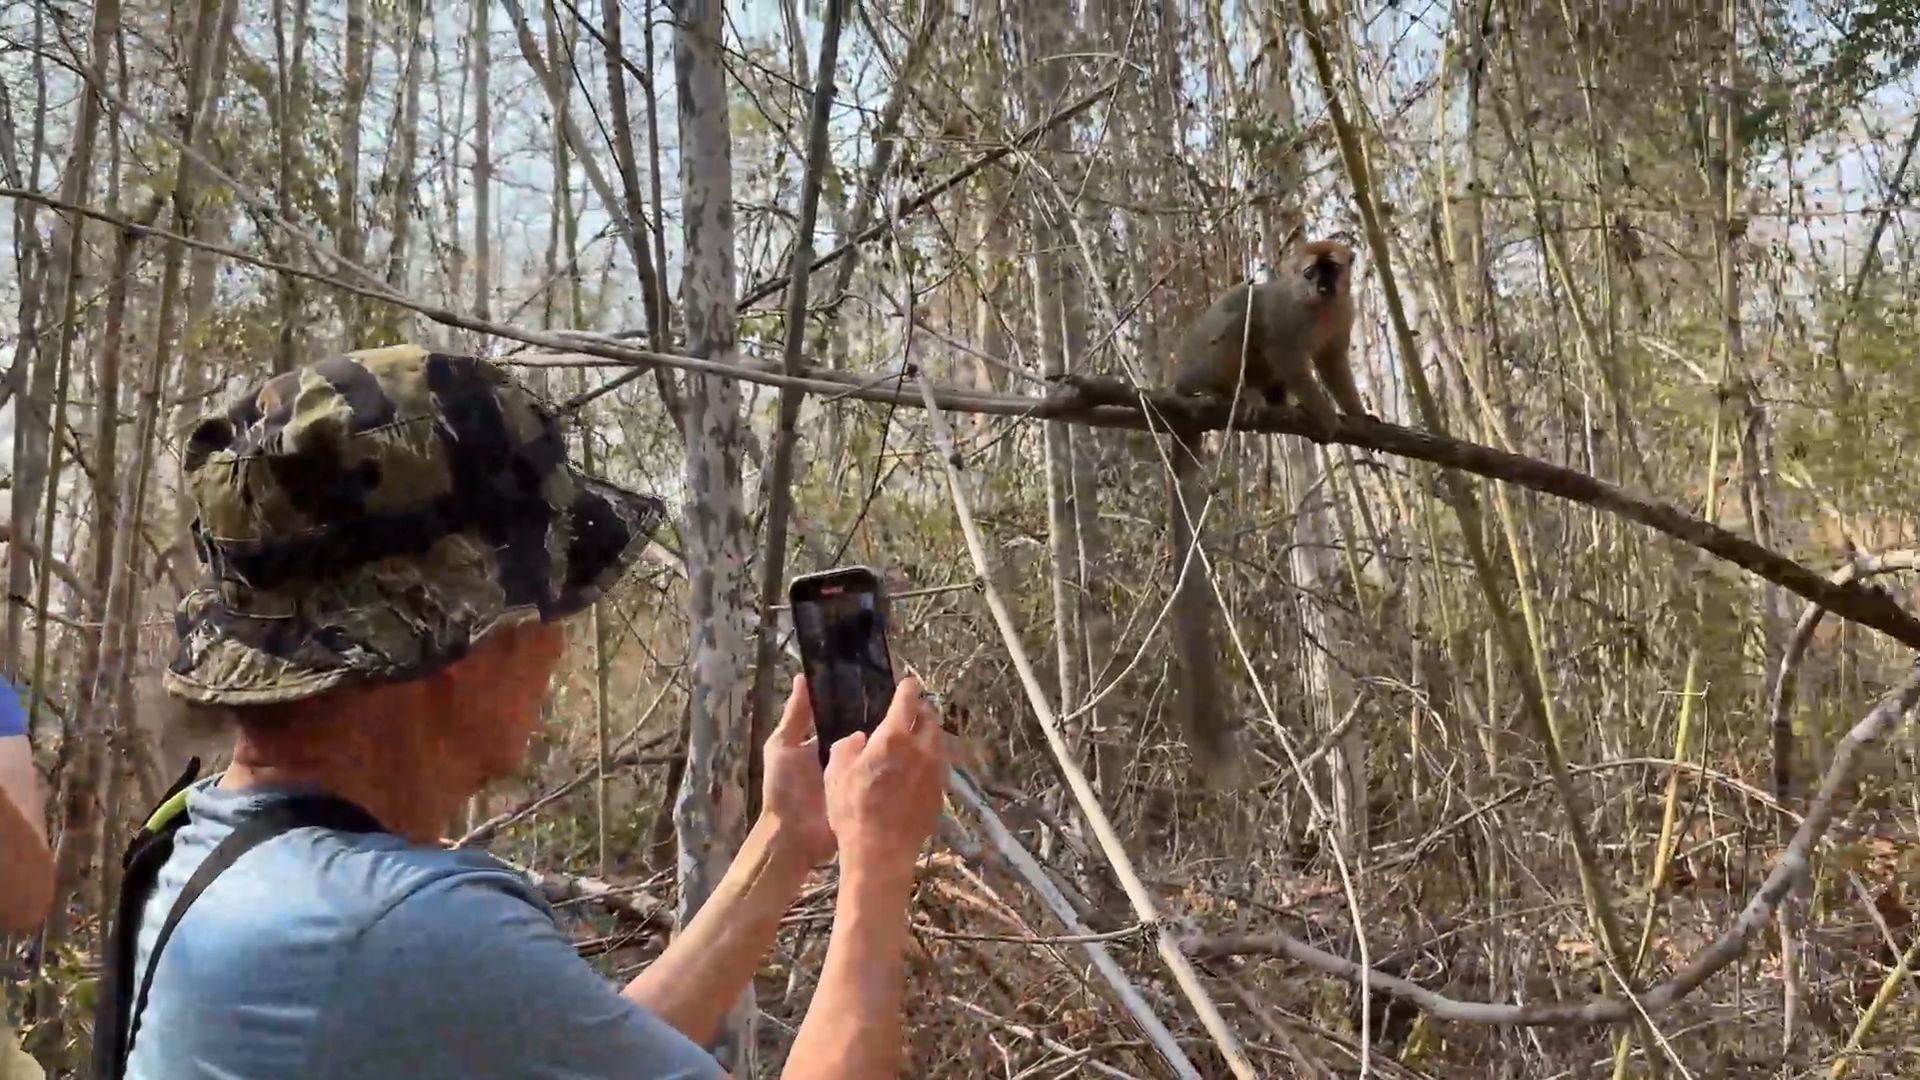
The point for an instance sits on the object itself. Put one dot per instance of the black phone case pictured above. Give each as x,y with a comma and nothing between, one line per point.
861,577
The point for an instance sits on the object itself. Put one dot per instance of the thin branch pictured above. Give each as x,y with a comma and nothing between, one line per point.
90,602
778,488
617,759
1023,863
1869,261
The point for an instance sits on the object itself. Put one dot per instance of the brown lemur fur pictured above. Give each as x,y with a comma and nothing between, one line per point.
1268,339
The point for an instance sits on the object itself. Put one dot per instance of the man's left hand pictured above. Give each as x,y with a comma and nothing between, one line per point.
794,795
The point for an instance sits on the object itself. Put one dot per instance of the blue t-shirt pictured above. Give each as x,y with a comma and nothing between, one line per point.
13,715
359,956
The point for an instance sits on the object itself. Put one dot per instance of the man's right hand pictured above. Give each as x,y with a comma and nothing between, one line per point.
884,791
883,801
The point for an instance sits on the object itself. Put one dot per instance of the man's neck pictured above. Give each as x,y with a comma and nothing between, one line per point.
396,788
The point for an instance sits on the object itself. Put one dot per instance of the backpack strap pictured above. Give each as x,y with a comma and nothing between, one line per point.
140,863
145,857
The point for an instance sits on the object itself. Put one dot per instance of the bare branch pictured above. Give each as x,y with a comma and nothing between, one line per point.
1107,402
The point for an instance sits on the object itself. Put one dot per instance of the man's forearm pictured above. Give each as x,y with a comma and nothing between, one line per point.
702,972
853,1029
26,889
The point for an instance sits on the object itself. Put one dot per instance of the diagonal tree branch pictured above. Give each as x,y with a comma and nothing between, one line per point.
777,489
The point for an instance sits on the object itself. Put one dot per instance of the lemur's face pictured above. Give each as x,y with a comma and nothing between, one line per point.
1325,267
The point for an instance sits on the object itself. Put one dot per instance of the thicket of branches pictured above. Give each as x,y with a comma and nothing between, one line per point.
1588,798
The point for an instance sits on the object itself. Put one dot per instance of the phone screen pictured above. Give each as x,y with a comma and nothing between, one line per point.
842,626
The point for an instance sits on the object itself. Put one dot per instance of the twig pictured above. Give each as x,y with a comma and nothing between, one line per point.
1868,263
1791,866
1028,1033
624,902
1332,738
89,601
1426,843
1889,987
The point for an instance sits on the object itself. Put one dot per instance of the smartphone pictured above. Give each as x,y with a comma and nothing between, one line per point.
840,617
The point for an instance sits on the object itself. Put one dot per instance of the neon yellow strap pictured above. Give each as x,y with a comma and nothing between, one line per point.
166,811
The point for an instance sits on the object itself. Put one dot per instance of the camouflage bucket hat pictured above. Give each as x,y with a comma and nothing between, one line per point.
370,517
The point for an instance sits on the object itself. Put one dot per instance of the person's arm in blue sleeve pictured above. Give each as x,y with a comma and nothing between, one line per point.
26,889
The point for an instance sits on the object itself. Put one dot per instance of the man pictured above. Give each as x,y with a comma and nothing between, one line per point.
391,539
26,880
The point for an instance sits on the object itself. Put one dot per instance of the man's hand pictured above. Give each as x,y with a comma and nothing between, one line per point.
793,793
883,793
883,797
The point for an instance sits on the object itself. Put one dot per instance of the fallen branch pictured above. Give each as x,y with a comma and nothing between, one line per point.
622,902
1791,867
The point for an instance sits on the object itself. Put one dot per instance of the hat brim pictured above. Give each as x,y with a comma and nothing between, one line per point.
404,616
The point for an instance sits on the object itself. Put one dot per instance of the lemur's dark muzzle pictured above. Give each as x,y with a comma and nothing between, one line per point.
1326,276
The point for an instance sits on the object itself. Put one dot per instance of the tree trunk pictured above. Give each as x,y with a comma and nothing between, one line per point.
710,813
1058,305
79,813
404,189
454,273
80,755
288,114
626,162
213,223
482,164
29,388
778,489
103,534
358,70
